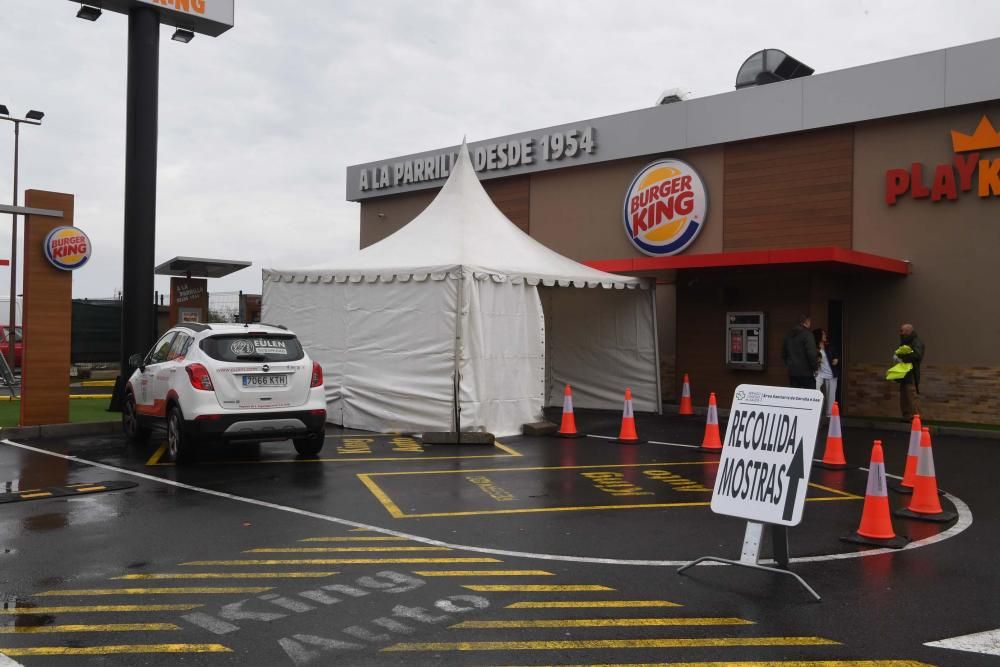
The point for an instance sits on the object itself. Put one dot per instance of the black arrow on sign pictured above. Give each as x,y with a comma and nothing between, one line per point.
795,473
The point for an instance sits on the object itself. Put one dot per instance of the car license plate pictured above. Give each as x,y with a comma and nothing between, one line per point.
265,380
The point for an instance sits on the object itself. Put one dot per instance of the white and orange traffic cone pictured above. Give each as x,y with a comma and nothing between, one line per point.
627,435
912,455
925,504
567,429
833,454
712,442
686,408
876,522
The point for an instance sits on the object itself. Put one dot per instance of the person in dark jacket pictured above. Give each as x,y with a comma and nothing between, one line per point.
800,355
828,373
909,386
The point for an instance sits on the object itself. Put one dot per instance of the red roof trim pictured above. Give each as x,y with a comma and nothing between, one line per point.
831,254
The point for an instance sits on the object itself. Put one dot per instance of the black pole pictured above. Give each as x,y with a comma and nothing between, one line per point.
12,325
138,332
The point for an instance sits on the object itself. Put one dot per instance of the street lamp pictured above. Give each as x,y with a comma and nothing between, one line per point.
33,117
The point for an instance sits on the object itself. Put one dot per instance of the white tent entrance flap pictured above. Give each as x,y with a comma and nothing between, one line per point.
600,343
460,289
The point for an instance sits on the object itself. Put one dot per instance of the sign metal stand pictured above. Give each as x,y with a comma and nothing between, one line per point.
750,554
763,474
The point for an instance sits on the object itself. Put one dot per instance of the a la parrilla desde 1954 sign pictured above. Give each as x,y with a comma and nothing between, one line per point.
767,455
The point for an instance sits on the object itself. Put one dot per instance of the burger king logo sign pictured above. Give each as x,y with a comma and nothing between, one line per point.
665,207
67,248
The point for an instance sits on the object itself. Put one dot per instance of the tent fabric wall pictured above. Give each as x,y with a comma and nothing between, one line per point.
600,342
387,348
503,354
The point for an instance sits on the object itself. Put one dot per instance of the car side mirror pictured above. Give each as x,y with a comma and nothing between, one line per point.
135,361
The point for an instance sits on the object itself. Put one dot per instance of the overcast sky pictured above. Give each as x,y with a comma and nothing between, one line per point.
258,126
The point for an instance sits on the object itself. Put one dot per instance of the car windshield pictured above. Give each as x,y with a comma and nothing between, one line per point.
253,347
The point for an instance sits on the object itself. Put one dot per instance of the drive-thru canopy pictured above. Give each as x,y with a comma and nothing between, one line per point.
460,289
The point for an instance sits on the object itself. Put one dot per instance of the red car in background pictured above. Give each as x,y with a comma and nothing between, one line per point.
18,343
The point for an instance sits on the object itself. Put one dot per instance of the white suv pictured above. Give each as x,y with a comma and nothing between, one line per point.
226,382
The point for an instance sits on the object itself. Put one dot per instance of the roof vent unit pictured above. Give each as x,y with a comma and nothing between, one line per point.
768,66
671,95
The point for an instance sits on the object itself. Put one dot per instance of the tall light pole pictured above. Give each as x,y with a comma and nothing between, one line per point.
33,117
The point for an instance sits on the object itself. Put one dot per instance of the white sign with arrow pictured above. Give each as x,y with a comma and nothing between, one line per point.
767,455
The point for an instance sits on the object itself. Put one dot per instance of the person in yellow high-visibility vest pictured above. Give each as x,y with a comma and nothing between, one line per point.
909,383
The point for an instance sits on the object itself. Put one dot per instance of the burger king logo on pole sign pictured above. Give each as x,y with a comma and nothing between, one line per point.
665,208
67,248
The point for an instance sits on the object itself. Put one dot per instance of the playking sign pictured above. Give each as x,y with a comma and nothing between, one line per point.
966,171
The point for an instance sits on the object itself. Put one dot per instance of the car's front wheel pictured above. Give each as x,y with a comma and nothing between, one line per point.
132,427
178,445
308,446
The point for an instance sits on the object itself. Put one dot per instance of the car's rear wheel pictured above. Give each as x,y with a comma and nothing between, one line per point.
308,446
178,445
134,430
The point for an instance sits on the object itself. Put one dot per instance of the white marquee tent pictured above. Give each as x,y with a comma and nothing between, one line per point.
462,289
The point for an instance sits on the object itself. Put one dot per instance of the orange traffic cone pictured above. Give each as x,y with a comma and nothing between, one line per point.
712,442
833,455
925,504
912,455
876,523
627,434
686,407
567,429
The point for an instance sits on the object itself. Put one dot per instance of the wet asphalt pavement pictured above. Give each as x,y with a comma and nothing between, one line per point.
538,551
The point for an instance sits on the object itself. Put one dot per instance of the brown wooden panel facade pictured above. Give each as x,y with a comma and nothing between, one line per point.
793,191
47,317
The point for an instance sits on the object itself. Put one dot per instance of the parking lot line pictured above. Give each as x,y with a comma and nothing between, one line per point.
159,591
356,539
600,623
229,575
568,644
114,649
591,604
109,627
343,561
482,573
328,550
535,588
102,608
157,455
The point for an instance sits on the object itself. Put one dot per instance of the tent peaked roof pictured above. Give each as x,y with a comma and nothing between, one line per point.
460,228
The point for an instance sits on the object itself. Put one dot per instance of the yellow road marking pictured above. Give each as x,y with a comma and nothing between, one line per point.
159,591
356,539
330,550
98,383
231,575
155,458
591,604
116,649
90,396
562,645
343,561
483,573
395,512
35,495
83,489
111,627
83,609
361,530
601,623
771,663
380,495
505,448
537,588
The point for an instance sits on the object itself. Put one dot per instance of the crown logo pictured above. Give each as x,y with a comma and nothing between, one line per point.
984,137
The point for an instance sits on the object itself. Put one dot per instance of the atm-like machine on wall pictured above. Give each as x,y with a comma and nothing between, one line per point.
746,341
189,285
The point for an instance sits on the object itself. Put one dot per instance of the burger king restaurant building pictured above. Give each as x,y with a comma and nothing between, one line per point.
864,197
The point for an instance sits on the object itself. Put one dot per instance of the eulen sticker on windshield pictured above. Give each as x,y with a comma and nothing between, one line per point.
272,346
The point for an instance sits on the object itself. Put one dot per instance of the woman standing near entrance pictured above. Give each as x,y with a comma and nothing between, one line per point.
829,369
